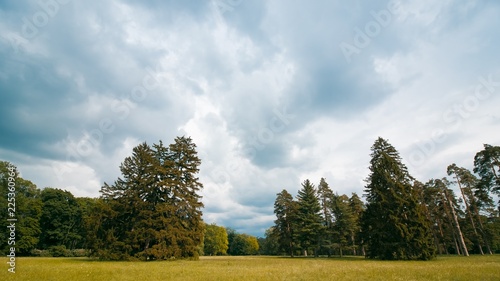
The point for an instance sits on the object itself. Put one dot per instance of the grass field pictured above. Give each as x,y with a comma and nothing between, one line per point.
256,268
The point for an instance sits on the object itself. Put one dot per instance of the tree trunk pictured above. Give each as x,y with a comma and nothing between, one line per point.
481,227
451,223
363,252
353,244
455,240
457,226
469,212
441,234
428,216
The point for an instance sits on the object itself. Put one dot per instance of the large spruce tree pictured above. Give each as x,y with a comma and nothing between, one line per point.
345,221
326,199
394,223
185,195
285,229
357,208
154,211
309,221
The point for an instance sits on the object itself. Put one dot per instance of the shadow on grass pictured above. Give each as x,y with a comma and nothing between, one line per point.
346,258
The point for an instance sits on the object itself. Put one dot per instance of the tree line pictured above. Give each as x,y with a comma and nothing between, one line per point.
152,212
402,217
220,241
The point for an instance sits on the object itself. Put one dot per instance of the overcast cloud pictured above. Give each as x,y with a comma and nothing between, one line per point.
272,92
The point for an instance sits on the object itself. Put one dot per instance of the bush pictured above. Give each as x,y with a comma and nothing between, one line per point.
60,251
80,253
40,253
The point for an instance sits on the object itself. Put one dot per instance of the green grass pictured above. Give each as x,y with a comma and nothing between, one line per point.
256,268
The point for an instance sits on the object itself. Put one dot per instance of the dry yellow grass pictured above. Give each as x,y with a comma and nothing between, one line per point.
257,268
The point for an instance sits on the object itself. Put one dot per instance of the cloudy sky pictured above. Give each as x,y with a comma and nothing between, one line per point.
272,92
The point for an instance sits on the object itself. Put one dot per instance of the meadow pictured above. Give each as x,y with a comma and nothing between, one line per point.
256,268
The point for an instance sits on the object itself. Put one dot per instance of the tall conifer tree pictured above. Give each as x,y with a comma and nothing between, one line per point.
186,198
285,230
309,217
394,224
326,200
154,211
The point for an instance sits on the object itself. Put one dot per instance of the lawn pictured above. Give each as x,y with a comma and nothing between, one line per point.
256,268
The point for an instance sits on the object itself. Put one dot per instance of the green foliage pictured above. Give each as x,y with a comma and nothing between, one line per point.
492,230
215,240
154,211
40,253
326,199
28,209
357,208
241,244
441,209
269,245
285,229
319,220
345,221
394,223
60,220
251,244
60,251
469,185
309,217
487,165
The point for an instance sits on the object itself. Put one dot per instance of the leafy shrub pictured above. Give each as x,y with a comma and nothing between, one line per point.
40,253
60,251
80,253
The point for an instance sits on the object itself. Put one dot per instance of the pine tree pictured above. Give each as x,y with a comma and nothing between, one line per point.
450,206
154,211
487,166
326,197
357,208
468,183
185,198
344,222
285,231
309,218
394,223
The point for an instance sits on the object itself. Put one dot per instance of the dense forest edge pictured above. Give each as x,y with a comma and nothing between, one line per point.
153,211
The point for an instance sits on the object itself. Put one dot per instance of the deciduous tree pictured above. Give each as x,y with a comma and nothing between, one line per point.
215,241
